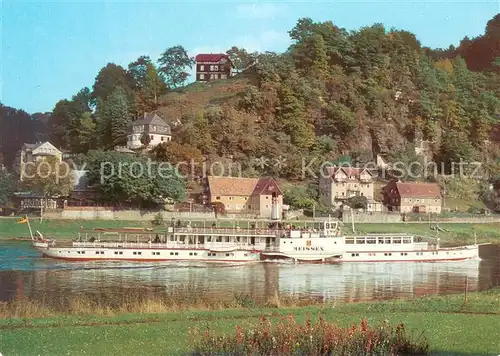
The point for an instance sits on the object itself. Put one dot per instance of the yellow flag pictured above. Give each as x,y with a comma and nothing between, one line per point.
22,221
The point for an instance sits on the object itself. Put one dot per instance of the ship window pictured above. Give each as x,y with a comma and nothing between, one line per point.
227,254
97,252
246,254
196,253
190,253
135,253
177,253
353,254
121,252
116,252
83,252
171,253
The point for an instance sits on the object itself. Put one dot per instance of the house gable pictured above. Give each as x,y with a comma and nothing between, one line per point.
46,148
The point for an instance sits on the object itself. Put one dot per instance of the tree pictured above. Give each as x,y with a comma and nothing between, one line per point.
292,117
7,186
114,118
108,79
148,84
18,127
240,58
124,178
48,178
86,133
174,63
357,202
186,158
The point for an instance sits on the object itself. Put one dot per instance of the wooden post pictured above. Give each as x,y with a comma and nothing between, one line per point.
466,288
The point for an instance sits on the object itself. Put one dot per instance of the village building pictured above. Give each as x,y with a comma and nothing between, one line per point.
148,131
213,67
252,196
339,184
413,197
31,153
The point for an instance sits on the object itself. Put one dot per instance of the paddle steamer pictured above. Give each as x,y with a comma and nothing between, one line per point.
321,243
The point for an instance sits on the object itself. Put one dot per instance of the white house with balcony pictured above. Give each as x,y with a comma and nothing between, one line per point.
149,131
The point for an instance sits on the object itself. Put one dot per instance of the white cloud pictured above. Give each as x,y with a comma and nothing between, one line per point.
259,10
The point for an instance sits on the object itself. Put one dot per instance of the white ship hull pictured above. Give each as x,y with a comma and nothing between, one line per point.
142,254
438,255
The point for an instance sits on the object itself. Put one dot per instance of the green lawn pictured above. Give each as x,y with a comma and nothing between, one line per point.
451,328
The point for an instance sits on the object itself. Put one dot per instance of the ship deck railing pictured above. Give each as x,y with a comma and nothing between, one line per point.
226,231
161,245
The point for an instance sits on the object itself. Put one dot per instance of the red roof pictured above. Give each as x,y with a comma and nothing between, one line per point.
211,57
418,190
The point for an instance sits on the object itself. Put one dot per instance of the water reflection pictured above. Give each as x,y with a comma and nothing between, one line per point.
24,275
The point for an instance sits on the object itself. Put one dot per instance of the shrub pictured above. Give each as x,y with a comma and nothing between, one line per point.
158,220
320,338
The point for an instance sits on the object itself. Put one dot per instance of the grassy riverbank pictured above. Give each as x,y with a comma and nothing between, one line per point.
455,233
452,327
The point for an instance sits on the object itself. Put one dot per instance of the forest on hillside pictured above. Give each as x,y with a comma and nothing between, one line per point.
333,93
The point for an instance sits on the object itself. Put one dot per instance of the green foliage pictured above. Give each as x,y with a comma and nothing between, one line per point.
300,197
113,119
174,64
240,57
109,79
48,178
357,202
158,220
7,187
148,84
124,178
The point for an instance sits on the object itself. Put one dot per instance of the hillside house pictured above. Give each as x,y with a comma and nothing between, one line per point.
413,197
31,153
151,126
255,196
213,67
342,183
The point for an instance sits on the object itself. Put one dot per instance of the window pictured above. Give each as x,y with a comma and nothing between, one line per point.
135,253
216,68
171,253
211,68
97,252
202,67
202,76
217,198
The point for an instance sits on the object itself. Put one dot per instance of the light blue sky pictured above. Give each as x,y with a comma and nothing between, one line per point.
50,50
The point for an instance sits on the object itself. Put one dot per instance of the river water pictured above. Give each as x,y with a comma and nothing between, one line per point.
23,274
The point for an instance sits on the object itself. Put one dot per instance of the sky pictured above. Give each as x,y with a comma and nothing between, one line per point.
50,50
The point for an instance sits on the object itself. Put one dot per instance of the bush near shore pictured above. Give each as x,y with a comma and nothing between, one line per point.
318,339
